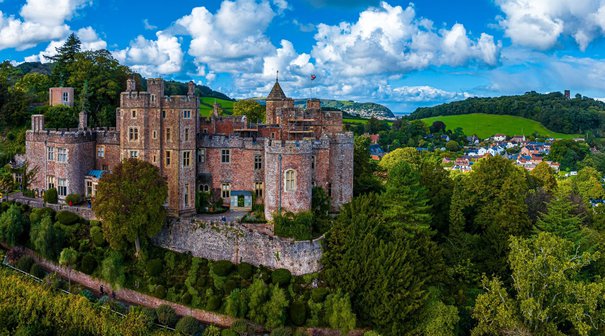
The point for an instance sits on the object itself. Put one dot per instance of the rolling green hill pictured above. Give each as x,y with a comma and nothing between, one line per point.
486,125
207,102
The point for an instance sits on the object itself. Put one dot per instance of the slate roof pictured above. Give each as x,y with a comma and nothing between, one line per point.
96,173
276,93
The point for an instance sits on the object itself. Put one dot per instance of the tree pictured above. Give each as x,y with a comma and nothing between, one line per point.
407,154
257,294
11,225
7,183
339,313
46,238
212,331
250,108
551,294
561,219
188,325
61,116
568,153
112,269
364,180
546,175
65,57
130,203
452,146
437,127
275,308
68,258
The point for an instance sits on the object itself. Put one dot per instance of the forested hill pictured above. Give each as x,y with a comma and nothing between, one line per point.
553,110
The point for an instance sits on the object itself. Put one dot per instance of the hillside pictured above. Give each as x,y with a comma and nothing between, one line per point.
486,125
206,105
365,110
553,110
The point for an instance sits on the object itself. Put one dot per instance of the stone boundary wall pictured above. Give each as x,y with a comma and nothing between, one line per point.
83,212
236,243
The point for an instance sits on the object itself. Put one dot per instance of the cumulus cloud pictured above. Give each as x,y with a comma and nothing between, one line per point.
231,40
389,40
153,57
40,21
88,36
540,23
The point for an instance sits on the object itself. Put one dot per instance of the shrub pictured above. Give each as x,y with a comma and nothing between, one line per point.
154,267
229,286
51,196
281,277
214,302
241,327
88,264
29,193
186,298
212,331
88,295
74,199
298,313
25,263
166,315
222,267
298,226
281,331
37,271
228,332
188,325
159,291
318,295
67,217
96,235
245,270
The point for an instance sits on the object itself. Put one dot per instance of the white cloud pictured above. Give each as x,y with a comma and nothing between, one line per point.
389,40
88,37
540,23
231,40
148,26
424,94
304,27
40,21
151,58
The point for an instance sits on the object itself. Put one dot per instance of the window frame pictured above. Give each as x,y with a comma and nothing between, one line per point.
225,156
290,177
133,133
225,190
62,155
50,153
62,189
258,162
186,159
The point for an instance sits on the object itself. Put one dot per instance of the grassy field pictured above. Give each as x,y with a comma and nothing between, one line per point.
486,125
359,121
207,102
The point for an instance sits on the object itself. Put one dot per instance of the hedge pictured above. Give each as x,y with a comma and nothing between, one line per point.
51,196
67,218
281,277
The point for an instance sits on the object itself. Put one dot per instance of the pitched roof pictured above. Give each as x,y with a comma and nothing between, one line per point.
276,93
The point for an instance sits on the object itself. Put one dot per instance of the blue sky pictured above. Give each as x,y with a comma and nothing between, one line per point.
401,54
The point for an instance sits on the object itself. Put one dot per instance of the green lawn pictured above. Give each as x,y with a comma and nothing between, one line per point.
486,125
206,104
360,121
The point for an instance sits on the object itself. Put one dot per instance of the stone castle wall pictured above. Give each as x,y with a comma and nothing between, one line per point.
233,242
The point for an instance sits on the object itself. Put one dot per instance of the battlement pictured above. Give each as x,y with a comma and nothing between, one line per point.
223,141
289,147
63,135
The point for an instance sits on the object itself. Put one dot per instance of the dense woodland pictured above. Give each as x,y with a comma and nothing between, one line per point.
553,110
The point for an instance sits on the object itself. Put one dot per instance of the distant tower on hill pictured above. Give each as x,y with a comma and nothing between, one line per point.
567,94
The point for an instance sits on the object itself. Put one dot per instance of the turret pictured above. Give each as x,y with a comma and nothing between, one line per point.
191,89
83,120
131,85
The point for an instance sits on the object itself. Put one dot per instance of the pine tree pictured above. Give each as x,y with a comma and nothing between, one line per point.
66,55
561,219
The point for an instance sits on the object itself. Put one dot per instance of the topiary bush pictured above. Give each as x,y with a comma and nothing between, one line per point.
186,298
96,235
245,270
160,291
229,286
74,199
222,267
25,263
318,295
166,315
154,267
213,303
298,313
88,264
281,277
37,271
281,331
188,325
67,217
241,327
51,196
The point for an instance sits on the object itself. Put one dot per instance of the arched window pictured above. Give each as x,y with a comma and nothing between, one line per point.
290,180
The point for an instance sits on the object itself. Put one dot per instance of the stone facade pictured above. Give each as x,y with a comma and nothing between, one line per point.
61,96
279,162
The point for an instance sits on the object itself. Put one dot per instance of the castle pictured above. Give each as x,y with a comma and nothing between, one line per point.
279,162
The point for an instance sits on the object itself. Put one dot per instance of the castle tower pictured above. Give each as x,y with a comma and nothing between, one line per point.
61,96
276,99
191,88
131,85
83,120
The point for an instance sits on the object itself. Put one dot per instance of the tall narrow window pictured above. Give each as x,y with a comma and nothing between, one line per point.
155,134
258,162
88,188
163,114
186,114
50,182
62,190
204,188
65,97
134,154
201,155
134,114
133,134
186,159
167,156
258,189
186,134
186,195
226,190
290,180
225,156
313,162
168,134
62,154
51,153
101,151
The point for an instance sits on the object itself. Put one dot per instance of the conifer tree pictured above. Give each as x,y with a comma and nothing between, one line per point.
561,219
